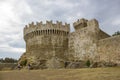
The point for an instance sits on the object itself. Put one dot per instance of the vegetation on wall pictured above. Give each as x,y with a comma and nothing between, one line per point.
88,63
23,62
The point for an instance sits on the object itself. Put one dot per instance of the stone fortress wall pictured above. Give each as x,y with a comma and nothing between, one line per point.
88,41
82,42
109,49
54,44
45,41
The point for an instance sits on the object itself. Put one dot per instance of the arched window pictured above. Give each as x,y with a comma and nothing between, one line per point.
56,31
45,32
67,33
48,31
53,31
41,32
36,32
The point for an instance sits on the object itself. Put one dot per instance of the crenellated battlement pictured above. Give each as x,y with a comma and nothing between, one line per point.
81,23
49,25
93,22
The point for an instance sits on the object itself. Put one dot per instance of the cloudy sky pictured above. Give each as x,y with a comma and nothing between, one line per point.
15,14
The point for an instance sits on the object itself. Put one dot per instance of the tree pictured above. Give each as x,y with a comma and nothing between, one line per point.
1,60
8,60
116,33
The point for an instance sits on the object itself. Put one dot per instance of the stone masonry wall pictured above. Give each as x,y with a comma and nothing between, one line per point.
45,41
103,35
52,44
82,42
109,49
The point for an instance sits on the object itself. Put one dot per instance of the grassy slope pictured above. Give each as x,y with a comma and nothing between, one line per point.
63,74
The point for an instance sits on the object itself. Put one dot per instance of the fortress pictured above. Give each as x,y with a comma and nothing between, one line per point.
52,44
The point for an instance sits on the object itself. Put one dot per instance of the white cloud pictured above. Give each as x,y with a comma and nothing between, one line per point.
8,51
7,48
11,26
11,13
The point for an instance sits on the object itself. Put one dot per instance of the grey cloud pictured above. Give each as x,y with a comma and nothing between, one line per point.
4,54
17,44
105,11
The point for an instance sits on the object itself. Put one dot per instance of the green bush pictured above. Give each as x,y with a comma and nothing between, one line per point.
24,62
88,63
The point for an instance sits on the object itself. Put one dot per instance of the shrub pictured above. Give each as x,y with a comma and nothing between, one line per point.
24,62
88,63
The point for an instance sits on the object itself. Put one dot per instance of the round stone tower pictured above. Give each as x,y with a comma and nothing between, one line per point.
46,43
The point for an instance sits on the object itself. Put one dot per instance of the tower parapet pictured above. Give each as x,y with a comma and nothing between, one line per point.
48,26
93,23
81,23
46,40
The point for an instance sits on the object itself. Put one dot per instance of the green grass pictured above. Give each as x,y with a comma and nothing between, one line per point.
112,73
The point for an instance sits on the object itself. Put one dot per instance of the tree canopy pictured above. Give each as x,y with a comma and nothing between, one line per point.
8,60
116,33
